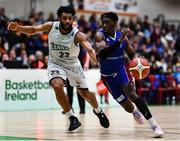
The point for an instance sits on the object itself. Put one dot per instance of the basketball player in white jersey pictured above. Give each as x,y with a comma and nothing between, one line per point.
64,40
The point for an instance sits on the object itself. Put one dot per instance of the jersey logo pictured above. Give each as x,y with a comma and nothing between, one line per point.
58,47
72,34
54,72
121,98
56,28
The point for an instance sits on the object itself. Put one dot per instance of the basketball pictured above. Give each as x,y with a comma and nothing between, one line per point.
139,68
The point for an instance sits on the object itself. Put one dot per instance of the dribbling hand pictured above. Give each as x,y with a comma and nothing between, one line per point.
12,26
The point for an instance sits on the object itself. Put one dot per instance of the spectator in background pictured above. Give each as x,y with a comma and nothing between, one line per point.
3,16
12,55
40,18
80,4
177,73
93,23
46,58
102,92
2,49
39,59
51,17
5,57
23,57
32,61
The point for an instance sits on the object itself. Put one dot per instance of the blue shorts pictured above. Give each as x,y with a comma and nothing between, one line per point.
114,83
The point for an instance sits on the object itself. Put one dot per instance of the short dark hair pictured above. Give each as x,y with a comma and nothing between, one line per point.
111,15
65,9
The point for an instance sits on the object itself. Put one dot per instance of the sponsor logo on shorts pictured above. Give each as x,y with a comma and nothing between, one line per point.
121,98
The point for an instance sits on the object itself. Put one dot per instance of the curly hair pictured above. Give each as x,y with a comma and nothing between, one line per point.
65,9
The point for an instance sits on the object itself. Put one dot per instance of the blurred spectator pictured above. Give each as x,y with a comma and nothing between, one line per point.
177,74
46,57
5,57
102,92
2,49
80,4
51,17
177,44
12,55
3,16
40,59
23,57
31,61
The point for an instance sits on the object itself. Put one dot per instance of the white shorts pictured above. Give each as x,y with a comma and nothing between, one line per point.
75,74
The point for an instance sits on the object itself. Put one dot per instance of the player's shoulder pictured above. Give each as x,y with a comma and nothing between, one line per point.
99,36
47,26
80,36
49,23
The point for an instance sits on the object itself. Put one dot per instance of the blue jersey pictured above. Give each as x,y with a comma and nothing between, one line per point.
115,61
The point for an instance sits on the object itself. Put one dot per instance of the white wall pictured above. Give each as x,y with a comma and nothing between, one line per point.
170,8
16,8
19,8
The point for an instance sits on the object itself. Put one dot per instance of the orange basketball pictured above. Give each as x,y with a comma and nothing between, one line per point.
139,68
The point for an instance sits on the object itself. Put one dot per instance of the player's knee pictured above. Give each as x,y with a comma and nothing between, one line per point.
84,93
128,106
133,96
57,83
130,91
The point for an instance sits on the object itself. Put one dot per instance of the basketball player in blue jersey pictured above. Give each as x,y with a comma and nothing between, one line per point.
64,40
111,47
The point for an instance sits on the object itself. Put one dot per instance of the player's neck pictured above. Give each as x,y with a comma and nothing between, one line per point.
63,31
112,34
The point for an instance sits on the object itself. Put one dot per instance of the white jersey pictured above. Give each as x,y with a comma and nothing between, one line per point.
62,49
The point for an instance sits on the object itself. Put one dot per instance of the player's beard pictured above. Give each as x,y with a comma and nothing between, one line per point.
66,27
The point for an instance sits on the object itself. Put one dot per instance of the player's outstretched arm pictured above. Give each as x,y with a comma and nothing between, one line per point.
81,38
30,30
100,44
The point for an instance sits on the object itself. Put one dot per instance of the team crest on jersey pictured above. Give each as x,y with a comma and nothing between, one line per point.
56,28
72,34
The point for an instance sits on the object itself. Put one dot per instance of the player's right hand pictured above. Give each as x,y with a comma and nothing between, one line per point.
12,26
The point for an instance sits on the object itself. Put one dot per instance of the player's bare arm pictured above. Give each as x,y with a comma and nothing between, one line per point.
30,30
129,49
100,44
82,40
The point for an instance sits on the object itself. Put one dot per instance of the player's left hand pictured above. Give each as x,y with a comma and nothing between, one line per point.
124,32
12,26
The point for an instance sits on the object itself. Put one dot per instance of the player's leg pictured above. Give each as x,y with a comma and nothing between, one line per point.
81,103
128,87
56,77
69,89
143,108
77,78
58,84
91,99
114,86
